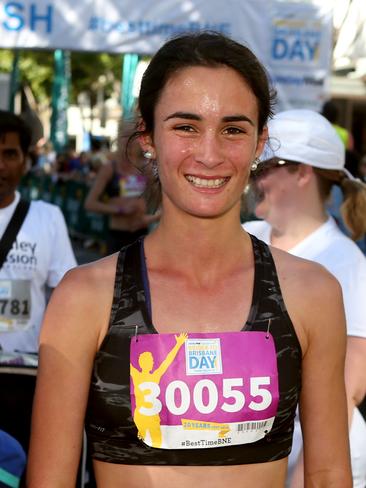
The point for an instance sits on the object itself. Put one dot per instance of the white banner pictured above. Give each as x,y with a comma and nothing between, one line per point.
300,54
120,26
293,40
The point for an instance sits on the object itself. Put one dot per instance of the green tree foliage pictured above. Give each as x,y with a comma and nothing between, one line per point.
36,69
89,68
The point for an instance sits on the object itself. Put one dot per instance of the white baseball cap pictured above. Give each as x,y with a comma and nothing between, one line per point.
305,136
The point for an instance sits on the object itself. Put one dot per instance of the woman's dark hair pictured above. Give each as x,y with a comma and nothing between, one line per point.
209,49
10,122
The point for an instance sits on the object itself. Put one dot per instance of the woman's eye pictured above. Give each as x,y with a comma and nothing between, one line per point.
234,130
184,128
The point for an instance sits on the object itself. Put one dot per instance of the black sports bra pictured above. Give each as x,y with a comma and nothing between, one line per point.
199,409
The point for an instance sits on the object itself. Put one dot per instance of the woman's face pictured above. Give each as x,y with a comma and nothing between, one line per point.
275,191
205,140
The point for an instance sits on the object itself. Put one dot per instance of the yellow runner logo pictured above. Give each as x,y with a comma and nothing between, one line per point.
146,390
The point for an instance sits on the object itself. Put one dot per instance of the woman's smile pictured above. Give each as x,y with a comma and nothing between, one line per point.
207,182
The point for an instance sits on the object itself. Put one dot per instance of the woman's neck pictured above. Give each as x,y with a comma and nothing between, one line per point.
205,248
288,234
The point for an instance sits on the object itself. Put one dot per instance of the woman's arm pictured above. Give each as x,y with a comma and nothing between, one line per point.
92,201
314,301
124,208
323,408
355,373
69,340
355,381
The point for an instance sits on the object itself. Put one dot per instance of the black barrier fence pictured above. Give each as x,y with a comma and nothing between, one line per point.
69,196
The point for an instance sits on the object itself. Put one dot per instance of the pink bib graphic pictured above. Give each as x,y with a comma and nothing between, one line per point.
203,390
132,185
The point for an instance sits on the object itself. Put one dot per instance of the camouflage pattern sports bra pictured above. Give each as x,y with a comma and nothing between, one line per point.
204,399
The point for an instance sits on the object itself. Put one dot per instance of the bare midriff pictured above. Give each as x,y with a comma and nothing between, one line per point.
261,475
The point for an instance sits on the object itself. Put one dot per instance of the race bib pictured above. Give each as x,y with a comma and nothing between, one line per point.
15,304
203,390
132,185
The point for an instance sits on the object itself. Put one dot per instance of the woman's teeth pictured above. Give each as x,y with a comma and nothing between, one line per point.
205,182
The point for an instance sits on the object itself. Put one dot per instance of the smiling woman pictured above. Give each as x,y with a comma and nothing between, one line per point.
206,150
197,342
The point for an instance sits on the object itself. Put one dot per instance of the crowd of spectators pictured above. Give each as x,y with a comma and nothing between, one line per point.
69,164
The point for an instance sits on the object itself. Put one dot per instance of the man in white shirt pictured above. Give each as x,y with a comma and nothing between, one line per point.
41,252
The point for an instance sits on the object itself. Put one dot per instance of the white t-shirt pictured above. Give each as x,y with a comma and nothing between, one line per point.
339,255
40,256
342,257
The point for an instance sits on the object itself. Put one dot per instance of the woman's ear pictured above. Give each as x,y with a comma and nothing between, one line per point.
147,146
305,174
145,141
262,139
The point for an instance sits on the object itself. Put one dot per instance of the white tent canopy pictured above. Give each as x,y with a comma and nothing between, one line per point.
292,39
350,49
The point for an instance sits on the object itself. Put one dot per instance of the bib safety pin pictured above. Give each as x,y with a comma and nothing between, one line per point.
269,325
136,329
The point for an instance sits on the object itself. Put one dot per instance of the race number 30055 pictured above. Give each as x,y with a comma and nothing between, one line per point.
206,396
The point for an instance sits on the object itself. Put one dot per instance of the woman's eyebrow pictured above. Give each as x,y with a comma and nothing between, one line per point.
237,118
191,116
183,115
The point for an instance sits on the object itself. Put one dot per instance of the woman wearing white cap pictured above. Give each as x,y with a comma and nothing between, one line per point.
303,160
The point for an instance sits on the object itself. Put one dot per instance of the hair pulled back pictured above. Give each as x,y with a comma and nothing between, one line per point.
353,208
210,49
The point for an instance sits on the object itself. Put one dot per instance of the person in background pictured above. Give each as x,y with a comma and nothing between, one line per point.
217,328
41,253
336,198
330,111
13,460
47,156
118,191
98,155
303,160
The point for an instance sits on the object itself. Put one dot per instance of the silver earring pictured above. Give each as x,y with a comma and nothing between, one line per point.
155,170
148,154
254,165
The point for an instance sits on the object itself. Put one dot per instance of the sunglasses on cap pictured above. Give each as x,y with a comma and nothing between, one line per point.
265,167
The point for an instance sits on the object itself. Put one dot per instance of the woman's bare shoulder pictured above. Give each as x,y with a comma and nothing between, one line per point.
84,282
312,295
82,302
302,273
98,274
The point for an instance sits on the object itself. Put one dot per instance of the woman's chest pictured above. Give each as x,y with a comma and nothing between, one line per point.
176,307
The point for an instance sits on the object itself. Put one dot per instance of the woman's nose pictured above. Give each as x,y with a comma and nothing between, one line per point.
209,151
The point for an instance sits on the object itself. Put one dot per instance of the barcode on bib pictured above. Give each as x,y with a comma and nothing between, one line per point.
252,426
